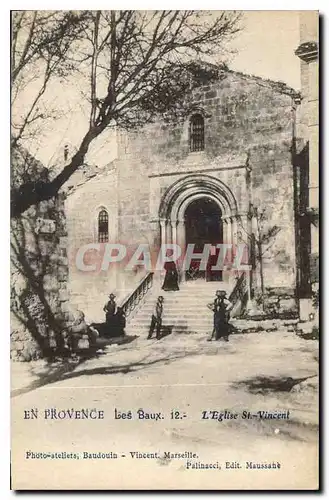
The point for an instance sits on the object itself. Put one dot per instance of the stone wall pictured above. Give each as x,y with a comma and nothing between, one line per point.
89,290
248,139
248,122
39,274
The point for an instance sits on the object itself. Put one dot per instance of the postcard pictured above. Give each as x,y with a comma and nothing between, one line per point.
164,250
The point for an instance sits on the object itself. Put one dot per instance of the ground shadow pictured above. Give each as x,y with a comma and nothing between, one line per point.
126,368
166,330
102,342
313,335
105,330
266,385
55,370
68,370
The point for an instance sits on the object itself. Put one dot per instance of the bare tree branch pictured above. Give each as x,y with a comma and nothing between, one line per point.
93,72
145,60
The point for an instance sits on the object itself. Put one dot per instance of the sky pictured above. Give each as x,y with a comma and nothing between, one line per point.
265,47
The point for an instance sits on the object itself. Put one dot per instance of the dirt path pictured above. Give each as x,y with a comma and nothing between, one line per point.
253,372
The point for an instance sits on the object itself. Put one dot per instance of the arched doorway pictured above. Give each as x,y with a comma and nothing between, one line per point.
203,225
221,203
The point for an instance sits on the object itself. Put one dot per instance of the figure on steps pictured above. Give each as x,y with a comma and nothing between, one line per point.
156,320
170,283
110,310
221,308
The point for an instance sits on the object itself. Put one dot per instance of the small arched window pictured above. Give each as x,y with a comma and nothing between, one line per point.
103,226
197,133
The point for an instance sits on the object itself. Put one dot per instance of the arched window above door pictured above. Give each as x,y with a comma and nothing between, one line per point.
197,133
103,226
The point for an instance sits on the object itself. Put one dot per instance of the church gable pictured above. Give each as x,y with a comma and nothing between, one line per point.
235,113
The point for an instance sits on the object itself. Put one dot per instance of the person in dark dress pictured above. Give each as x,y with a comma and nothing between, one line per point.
170,283
110,309
221,307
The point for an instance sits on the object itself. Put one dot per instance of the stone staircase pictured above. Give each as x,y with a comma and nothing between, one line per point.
184,311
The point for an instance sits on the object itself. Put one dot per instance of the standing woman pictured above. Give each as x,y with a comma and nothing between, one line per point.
170,283
221,308
110,309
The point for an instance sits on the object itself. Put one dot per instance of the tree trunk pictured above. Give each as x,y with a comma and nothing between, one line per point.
261,272
32,193
253,266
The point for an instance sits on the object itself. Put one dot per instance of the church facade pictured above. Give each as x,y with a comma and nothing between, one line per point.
202,179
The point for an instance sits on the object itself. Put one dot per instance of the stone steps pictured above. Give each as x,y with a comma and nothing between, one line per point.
176,330
172,315
184,311
177,322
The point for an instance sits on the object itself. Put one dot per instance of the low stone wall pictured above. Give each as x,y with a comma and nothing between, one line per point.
279,303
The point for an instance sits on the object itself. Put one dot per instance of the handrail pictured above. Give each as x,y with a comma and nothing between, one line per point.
240,290
135,297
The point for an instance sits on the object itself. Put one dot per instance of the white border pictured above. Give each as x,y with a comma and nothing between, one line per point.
321,5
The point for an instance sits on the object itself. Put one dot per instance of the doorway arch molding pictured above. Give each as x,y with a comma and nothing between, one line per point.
180,194
183,192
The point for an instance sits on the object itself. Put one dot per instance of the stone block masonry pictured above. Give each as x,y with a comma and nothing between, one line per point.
248,124
244,117
39,275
